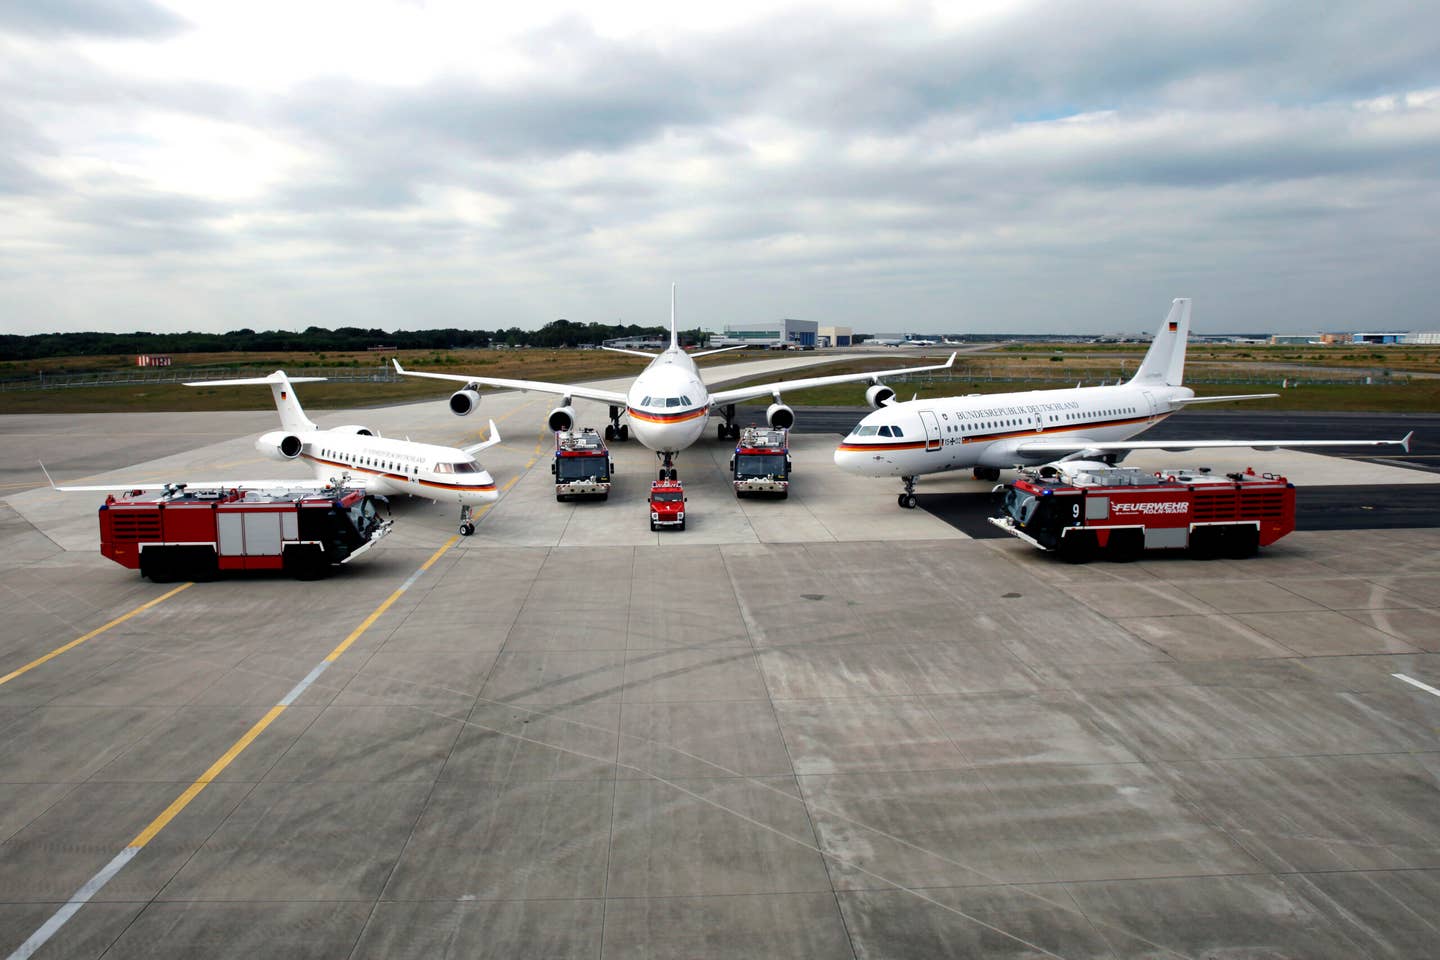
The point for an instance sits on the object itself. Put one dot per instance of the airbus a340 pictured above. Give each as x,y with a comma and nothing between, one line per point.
989,432
668,403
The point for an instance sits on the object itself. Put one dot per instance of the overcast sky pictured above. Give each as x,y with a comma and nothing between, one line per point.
894,167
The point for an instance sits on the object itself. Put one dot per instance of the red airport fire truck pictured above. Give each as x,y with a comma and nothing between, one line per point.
194,534
761,464
1082,510
582,465
667,504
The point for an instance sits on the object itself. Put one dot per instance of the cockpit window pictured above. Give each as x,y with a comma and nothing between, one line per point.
444,468
468,467
685,400
884,431
645,402
672,401
866,430
896,431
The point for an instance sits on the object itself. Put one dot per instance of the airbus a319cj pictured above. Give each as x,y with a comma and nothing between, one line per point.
378,465
989,432
668,403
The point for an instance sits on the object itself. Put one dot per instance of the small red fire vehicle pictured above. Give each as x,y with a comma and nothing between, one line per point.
667,504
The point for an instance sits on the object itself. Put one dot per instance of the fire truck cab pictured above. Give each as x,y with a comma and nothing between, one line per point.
761,463
667,504
582,465
196,534
1082,510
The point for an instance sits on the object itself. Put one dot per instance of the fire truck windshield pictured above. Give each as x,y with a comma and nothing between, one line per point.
667,496
760,465
362,514
580,468
1020,505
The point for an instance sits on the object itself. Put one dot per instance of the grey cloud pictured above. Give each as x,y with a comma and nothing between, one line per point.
105,18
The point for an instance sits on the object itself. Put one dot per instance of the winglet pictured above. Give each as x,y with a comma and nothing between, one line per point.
1405,443
51,479
951,362
485,444
398,369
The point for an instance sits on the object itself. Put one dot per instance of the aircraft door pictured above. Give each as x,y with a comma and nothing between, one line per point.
1150,405
932,429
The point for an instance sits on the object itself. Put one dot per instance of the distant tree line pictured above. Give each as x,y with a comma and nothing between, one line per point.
559,333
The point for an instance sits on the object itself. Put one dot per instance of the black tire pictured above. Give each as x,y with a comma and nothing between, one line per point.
306,563
1241,542
682,525
609,433
654,527
908,501
1077,548
158,565
1204,543
1125,546
624,432
467,528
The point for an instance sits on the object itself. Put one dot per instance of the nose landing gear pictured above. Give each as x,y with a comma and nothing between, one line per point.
467,526
907,499
667,466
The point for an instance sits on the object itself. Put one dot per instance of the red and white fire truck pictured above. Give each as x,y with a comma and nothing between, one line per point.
582,465
667,504
761,463
181,533
1082,510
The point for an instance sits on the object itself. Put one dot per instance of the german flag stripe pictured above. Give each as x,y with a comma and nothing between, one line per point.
680,417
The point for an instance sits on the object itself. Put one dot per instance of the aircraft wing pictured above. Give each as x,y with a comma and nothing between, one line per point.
785,386
539,386
294,483
1081,446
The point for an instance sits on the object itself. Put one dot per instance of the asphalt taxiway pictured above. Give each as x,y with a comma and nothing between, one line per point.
822,727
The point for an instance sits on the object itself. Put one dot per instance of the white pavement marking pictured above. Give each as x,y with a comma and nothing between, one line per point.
1416,683
82,897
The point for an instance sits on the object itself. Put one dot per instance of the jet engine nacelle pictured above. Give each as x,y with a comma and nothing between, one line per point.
464,402
562,418
279,445
879,395
780,416
357,430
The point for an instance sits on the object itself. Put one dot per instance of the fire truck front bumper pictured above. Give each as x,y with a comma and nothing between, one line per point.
1008,525
382,530
761,485
582,488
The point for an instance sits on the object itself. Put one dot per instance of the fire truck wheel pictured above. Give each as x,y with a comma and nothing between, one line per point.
156,565
467,528
682,525
1077,548
653,527
1241,542
1125,546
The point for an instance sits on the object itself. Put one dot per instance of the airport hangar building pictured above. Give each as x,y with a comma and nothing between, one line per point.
767,333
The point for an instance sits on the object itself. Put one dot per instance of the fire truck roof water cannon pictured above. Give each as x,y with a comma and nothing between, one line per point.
1081,510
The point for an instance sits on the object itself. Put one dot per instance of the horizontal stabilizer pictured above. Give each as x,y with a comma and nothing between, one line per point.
1187,401
274,378
706,353
1095,448
633,353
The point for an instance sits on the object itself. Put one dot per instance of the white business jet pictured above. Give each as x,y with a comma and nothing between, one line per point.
357,455
988,432
668,404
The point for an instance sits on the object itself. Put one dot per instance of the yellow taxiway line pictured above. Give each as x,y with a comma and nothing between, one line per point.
92,634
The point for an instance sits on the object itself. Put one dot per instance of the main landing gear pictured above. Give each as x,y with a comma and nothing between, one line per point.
987,473
467,526
667,466
907,499
729,430
616,431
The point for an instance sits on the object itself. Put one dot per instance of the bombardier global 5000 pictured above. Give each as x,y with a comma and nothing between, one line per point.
668,403
378,465
988,432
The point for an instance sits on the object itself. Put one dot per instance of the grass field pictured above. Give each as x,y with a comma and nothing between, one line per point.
1010,369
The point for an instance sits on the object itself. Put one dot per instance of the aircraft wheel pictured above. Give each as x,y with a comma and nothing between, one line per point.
609,433
467,528
908,501
624,432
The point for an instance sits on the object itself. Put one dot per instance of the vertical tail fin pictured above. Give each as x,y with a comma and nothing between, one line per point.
292,416
1164,362
674,337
